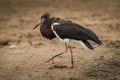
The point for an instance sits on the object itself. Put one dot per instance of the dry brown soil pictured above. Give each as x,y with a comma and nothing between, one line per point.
25,55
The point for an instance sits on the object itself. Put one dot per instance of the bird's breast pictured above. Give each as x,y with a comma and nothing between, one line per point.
47,32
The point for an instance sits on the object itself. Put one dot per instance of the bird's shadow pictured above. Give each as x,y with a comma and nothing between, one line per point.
58,67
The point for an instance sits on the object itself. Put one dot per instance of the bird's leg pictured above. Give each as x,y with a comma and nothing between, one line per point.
52,59
72,61
71,52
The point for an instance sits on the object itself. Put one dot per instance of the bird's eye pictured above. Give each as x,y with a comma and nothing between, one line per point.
43,19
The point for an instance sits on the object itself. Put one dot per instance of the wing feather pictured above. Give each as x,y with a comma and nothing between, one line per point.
68,29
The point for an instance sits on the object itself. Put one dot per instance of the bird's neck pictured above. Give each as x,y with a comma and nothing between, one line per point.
47,22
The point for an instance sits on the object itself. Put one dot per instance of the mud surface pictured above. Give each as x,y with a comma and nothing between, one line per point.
24,54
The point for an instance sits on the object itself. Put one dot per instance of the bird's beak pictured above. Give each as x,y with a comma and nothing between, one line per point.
37,25
42,20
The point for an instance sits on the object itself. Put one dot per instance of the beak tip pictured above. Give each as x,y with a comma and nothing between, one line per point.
33,28
36,26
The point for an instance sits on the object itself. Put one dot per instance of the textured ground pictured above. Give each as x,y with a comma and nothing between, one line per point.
24,56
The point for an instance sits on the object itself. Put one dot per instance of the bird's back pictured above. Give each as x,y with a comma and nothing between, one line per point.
71,30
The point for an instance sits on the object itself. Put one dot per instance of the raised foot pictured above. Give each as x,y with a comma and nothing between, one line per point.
51,59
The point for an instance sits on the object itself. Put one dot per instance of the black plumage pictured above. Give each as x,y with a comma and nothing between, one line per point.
70,30
47,32
66,29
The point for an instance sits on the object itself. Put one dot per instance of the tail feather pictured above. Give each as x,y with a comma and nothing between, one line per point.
98,42
87,44
93,36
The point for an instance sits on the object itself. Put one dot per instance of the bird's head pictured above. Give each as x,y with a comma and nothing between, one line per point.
43,18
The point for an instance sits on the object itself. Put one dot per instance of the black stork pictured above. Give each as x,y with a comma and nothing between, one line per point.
66,30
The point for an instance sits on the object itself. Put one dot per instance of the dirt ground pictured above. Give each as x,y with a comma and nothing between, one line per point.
23,56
